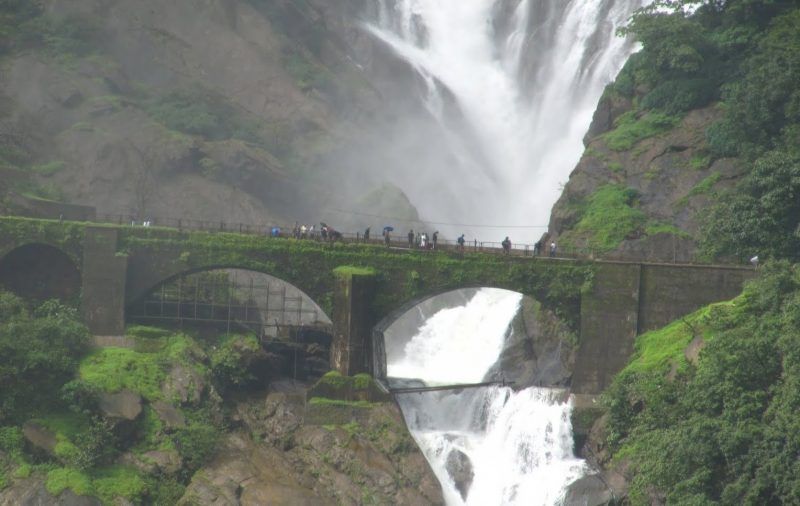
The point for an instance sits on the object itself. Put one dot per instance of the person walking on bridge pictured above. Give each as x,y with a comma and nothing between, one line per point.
411,239
553,249
506,245
461,242
435,238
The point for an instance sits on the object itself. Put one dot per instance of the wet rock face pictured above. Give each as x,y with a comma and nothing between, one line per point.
589,491
32,492
459,467
538,352
279,459
671,172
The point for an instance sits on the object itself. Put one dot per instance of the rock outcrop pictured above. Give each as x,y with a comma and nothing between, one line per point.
670,173
293,463
459,467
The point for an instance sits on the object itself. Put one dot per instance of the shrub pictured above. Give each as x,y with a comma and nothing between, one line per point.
64,478
630,129
231,360
38,354
200,112
117,481
115,369
607,217
677,96
196,443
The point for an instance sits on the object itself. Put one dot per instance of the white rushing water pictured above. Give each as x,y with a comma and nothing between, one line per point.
526,76
519,444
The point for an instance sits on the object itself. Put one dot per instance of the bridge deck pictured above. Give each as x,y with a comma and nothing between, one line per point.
440,388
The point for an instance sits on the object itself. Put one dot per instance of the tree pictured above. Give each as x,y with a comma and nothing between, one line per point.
39,352
762,217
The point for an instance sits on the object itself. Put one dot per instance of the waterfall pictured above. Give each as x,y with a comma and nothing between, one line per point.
525,77
512,447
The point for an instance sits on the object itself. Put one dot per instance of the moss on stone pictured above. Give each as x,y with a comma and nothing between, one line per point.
114,369
64,478
118,481
631,129
348,271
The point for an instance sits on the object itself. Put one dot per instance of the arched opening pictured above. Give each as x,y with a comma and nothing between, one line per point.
291,326
467,368
39,272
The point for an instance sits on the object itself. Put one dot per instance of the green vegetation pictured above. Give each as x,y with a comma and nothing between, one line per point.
39,351
64,478
763,215
307,75
705,186
49,168
722,429
115,369
350,271
62,401
230,361
201,112
630,128
745,54
105,484
606,218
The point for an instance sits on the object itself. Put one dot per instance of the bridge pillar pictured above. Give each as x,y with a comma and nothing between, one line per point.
354,291
103,282
609,324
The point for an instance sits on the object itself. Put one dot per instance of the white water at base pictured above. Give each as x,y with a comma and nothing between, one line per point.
458,332
526,76
519,443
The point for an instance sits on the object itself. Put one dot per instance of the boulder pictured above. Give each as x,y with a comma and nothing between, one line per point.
169,414
459,467
123,405
32,492
40,436
184,385
589,490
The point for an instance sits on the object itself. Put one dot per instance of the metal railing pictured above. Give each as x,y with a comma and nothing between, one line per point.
396,240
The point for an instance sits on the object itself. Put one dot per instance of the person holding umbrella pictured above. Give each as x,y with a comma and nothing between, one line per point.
386,237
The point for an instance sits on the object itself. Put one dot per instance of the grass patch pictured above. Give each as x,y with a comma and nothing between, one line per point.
705,186
658,350
608,217
115,369
616,167
145,332
66,425
630,130
64,478
700,162
117,481
49,168
349,271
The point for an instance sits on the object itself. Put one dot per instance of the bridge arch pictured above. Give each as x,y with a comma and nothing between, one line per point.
449,298
41,271
248,295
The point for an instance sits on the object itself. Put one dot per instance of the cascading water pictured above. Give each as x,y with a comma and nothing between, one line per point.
487,446
526,76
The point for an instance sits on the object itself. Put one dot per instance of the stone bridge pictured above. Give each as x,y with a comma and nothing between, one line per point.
361,287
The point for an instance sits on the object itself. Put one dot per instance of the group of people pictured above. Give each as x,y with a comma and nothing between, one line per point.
416,240
303,231
420,240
